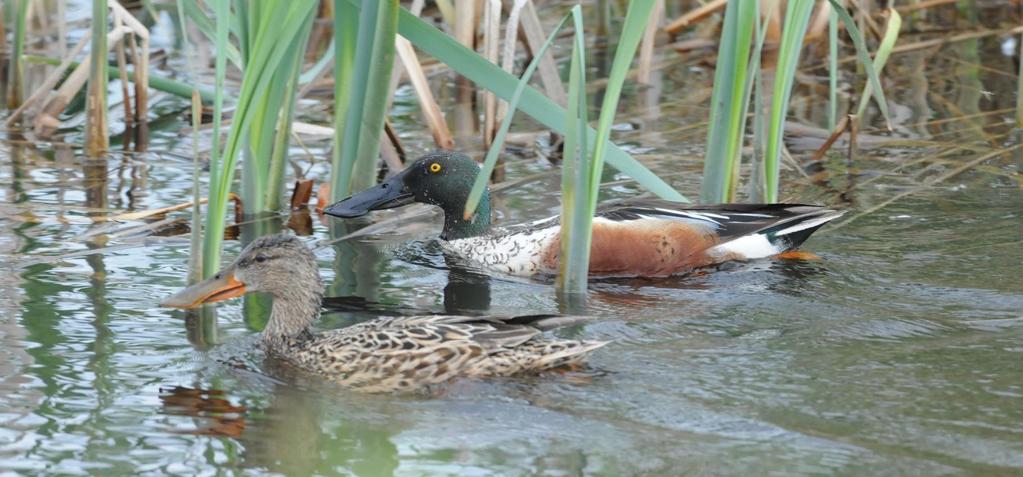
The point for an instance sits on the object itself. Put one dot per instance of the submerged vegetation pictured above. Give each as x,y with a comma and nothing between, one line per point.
272,47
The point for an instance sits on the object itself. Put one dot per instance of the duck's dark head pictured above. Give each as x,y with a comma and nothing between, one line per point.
443,179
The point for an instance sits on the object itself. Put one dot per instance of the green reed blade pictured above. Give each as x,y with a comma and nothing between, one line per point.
534,104
884,50
495,148
727,111
864,56
576,221
346,29
754,78
636,20
207,27
272,29
284,117
320,64
222,12
797,18
370,80
577,213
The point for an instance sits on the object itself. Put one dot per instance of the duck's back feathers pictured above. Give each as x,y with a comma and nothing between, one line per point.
652,237
405,353
784,225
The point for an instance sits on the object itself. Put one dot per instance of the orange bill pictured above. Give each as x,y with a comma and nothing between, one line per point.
217,288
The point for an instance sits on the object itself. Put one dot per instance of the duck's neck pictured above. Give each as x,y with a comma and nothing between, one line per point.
456,227
292,315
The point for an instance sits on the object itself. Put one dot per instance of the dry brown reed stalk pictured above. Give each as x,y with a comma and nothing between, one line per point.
129,122
840,129
140,58
390,148
395,139
49,82
431,110
464,116
533,32
819,23
491,49
695,15
511,36
46,123
97,137
646,46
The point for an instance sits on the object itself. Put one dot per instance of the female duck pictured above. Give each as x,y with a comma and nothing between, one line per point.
386,354
645,237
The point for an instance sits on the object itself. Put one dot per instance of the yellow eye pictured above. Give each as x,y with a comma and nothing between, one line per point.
435,168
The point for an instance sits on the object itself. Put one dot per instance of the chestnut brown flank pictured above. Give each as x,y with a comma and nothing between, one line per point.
645,247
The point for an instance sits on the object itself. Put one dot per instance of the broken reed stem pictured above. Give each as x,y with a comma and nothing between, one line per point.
48,83
125,94
140,58
97,139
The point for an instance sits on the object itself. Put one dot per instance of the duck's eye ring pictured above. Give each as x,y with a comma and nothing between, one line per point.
435,167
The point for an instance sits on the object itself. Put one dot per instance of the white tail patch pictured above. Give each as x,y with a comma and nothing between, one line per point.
748,246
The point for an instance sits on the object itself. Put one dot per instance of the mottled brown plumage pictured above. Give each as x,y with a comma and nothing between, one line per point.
385,354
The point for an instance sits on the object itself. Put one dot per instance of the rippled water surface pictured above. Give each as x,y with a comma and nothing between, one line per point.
899,351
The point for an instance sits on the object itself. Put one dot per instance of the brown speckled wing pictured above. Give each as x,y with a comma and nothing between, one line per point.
407,353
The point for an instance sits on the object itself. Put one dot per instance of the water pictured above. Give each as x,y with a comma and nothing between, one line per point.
896,353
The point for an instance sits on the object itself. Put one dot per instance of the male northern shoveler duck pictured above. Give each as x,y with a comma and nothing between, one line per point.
644,237
386,354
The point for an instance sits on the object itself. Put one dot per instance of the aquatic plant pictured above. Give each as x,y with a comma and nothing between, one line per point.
737,81
582,170
97,137
584,150
272,38
362,70
16,68
365,33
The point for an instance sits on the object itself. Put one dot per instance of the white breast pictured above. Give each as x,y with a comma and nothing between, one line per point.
514,254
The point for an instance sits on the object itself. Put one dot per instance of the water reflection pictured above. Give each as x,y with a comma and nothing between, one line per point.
287,429
210,409
466,293
357,266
